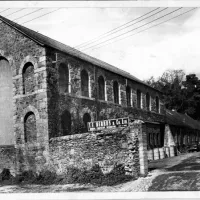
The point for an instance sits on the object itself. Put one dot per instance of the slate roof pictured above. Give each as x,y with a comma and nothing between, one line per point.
183,120
49,42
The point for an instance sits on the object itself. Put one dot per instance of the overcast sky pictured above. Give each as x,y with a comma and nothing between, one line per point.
171,45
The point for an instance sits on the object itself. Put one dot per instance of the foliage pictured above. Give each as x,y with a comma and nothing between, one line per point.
6,177
5,174
73,175
95,176
180,92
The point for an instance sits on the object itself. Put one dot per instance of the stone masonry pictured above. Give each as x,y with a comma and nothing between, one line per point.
38,105
126,146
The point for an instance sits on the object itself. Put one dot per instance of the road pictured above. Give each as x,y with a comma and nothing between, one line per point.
180,173
177,175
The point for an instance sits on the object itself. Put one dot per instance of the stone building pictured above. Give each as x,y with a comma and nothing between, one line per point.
184,131
49,91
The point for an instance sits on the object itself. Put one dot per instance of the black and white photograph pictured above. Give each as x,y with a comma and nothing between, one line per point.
99,98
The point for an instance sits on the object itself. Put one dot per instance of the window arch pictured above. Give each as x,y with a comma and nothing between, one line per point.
6,102
86,119
63,72
28,78
30,132
147,101
84,83
101,88
66,123
138,99
128,95
157,104
116,92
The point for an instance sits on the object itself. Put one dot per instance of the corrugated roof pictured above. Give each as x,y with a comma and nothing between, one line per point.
183,120
46,41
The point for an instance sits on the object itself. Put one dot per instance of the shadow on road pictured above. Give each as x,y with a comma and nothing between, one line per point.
183,176
178,181
192,163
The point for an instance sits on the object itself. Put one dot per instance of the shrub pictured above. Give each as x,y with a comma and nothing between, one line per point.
26,177
96,176
74,175
47,177
5,174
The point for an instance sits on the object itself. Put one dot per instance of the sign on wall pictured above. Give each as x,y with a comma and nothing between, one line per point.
110,123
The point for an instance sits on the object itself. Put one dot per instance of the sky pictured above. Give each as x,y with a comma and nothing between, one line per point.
174,44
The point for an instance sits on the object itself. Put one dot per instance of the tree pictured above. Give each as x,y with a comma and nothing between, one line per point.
182,95
192,92
170,83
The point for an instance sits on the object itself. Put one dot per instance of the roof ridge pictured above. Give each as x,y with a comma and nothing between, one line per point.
72,48
47,41
185,120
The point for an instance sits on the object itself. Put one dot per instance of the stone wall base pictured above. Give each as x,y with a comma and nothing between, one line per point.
8,158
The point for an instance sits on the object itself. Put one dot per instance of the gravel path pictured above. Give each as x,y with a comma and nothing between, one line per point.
142,184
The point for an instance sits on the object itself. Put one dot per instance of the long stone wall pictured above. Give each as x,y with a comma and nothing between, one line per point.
77,105
126,146
8,158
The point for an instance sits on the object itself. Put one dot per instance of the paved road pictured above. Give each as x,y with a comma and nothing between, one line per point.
177,175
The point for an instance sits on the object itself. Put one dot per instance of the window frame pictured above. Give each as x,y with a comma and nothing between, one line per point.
83,91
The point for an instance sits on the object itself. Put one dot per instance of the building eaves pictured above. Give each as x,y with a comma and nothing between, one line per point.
182,120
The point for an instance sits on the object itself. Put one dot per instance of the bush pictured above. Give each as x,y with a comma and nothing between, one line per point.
26,177
74,175
116,176
5,174
96,176
6,177
47,177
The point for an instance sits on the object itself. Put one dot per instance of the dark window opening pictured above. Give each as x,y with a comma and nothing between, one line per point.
63,78
101,84
86,119
148,101
30,127
152,140
28,78
128,95
158,139
157,105
66,123
138,99
116,92
84,83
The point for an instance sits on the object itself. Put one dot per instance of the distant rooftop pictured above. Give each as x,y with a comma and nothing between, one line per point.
183,120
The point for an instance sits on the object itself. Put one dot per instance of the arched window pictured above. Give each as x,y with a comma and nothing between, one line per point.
28,78
101,84
138,99
30,133
116,92
157,105
128,95
148,101
84,83
6,102
66,122
86,119
63,78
